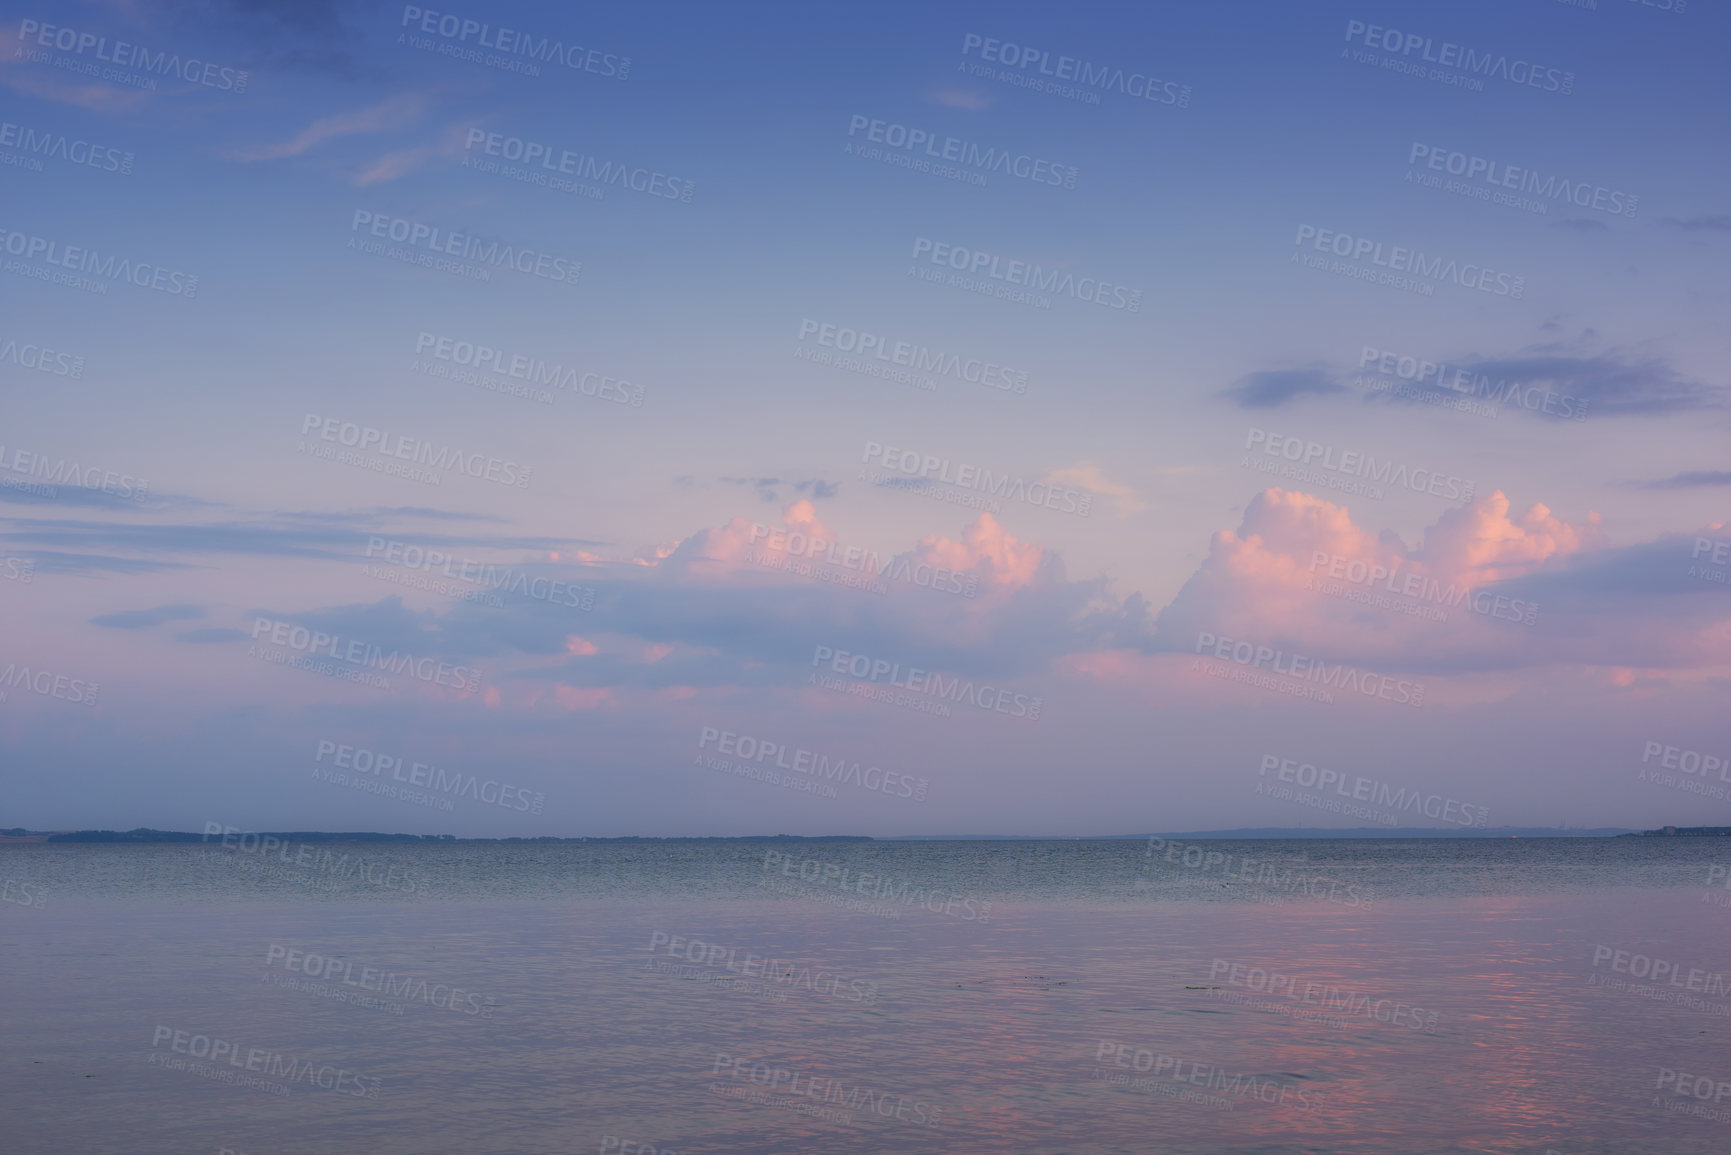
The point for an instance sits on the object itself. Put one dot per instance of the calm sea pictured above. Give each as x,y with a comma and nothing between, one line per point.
1390,996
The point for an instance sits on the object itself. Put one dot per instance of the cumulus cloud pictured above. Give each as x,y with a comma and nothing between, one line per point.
741,606
1481,544
987,548
1299,574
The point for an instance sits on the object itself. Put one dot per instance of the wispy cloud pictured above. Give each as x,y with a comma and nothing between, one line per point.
1087,475
768,488
403,161
959,98
28,78
392,115
1275,387
1690,480
1709,223
144,619
323,538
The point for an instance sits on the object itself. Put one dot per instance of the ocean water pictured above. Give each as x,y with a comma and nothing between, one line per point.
1388,996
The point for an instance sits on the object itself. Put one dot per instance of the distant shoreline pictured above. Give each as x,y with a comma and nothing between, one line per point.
145,835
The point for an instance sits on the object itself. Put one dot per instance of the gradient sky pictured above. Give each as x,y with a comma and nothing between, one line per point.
1287,124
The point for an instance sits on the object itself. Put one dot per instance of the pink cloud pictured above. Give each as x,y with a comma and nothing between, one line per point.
403,161
397,112
1298,573
1001,560
732,548
1481,541
575,698
38,81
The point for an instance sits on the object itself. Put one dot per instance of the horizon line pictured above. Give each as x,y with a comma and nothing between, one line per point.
1243,833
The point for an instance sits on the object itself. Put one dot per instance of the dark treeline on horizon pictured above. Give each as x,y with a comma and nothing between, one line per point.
145,834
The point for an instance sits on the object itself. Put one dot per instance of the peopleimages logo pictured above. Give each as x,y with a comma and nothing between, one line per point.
1309,669
525,367
1324,996
1447,54
1372,791
361,760
364,438
30,247
757,751
986,159
1100,77
820,1093
466,246
1662,972
41,358
192,70
387,982
319,866
916,680
359,653
978,263
1718,553
1352,463
272,1064
1399,259
58,146
1684,1086
1265,874
1688,761
878,887
1500,175
483,574
912,465
1719,549
918,357
48,684
564,162
780,973
514,42
59,471
23,897
1357,571
1436,375
781,544
1215,1078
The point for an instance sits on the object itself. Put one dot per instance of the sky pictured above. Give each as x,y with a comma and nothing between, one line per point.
864,419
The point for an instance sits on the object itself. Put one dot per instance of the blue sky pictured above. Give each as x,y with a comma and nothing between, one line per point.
1290,128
